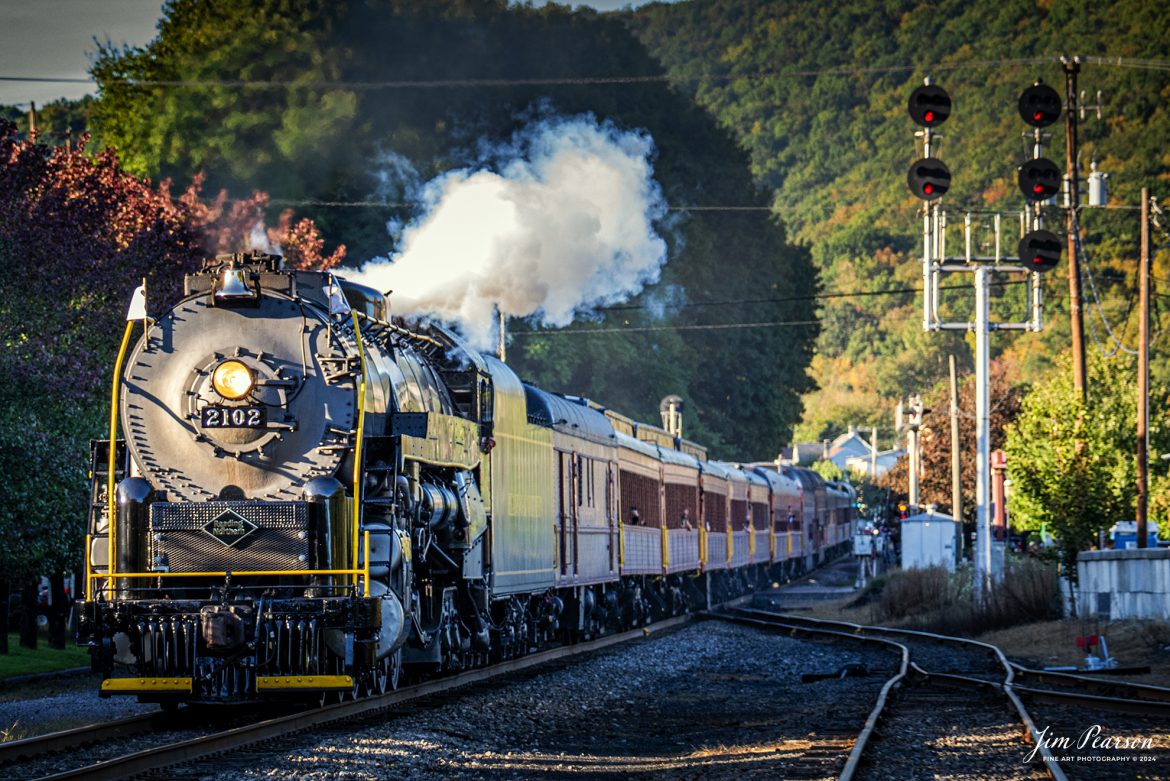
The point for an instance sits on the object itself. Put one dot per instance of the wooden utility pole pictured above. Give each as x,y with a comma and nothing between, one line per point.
873,453
1143,378
1072,66
956,481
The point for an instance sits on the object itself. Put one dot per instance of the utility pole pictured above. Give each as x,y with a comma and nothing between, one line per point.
873,453
1072,66
956,482
912,445
1143,399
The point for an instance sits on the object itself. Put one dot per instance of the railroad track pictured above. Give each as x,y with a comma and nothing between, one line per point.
941,712
941,668
240,736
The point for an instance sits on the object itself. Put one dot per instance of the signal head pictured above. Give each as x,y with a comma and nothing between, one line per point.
930,105
1039,105
1039,250
1039,180
929,178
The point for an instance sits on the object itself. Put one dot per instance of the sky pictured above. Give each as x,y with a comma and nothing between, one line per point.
55,39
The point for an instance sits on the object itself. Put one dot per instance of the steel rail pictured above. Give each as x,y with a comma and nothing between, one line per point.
771,621
1031,734
1131,690
1081,699
228,740
55,742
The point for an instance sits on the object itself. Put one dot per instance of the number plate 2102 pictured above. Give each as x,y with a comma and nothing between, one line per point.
233,417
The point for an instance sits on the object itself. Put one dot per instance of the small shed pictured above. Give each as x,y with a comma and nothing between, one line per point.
930,540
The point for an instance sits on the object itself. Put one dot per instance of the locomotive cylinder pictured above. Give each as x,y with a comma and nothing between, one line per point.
329,524
134,496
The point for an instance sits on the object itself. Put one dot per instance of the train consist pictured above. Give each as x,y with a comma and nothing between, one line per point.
309,498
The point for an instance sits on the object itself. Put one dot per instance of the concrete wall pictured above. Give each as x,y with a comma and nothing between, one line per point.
1116,584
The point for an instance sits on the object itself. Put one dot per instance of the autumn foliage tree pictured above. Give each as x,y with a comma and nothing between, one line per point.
77,234
934,486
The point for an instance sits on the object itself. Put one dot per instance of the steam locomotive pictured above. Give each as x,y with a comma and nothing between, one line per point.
309,498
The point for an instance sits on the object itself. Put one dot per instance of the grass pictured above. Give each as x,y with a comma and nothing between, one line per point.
22,661
1021,618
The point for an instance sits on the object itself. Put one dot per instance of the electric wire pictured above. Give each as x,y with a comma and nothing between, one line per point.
464,83
1086,271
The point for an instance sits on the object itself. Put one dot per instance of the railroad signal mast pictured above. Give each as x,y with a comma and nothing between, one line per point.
1037,251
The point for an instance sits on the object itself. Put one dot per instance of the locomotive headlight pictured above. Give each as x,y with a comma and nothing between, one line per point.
232,380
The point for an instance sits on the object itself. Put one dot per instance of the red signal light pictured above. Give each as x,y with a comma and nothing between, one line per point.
1040,249
1038,116
929,105
928,189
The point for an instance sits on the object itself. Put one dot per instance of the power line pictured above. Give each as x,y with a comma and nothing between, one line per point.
789,299
643,329
411,204
379,84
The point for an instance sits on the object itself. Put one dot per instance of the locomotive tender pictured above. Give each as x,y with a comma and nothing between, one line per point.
310,498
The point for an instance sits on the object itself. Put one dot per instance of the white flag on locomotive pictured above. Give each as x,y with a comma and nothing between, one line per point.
137,310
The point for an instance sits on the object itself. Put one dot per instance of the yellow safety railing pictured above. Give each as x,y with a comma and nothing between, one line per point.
235,573
88,567
751,541
357,450
355,573
702,544
111,499
366,569
665,548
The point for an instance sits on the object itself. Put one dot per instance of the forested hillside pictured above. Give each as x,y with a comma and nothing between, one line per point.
774,125
339,107
817,96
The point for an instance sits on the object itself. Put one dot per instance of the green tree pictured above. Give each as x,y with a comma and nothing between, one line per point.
821,110
1073,466
307,99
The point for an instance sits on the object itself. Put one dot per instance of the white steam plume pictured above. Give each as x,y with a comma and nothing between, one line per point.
563,224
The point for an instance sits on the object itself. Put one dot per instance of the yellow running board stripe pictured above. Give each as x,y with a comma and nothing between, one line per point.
140,685
291,682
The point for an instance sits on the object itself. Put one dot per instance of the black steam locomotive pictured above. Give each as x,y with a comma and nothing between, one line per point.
309,498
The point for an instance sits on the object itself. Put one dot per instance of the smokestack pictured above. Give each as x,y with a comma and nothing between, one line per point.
671,409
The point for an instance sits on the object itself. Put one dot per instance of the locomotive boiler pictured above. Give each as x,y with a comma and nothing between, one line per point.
302,497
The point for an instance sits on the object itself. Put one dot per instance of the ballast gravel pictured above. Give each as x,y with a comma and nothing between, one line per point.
710,701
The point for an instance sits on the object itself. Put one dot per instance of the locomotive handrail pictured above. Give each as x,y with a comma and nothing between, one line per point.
233,573
111,499
357,450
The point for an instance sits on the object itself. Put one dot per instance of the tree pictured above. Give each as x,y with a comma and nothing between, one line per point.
76,236
334,89
934,485
821,110
1073,466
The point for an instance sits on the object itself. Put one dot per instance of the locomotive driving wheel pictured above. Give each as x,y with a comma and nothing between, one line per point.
386,675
